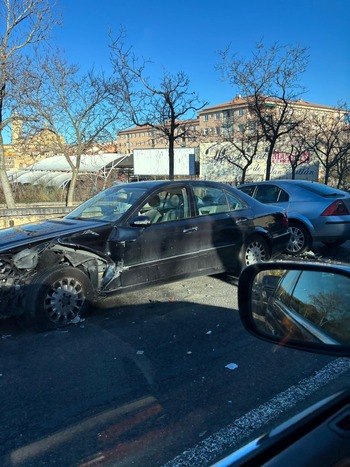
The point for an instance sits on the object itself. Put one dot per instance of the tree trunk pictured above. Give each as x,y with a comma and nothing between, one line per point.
6,186
72,184
268,163
244,173
326,176
171,159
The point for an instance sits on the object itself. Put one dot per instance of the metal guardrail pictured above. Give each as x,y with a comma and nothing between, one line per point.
28,214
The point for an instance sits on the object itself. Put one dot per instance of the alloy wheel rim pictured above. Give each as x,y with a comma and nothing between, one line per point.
64,300
297,240
255,253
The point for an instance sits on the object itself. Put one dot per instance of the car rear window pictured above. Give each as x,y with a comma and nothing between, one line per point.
322,190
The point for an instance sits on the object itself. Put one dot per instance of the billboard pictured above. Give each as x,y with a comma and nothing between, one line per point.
211,169
156,161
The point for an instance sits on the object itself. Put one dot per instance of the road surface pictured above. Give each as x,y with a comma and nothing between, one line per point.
163,377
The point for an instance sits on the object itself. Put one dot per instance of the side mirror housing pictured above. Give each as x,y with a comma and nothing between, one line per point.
300,305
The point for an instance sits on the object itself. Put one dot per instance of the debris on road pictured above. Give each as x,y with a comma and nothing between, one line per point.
231,366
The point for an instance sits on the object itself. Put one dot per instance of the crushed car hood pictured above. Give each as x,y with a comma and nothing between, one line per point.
30,234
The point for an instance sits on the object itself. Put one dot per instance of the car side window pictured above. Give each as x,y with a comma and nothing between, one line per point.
234,202
210,200
248,190
167,205
283,196
270,194
267,193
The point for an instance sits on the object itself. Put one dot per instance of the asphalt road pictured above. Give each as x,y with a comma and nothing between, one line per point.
166,376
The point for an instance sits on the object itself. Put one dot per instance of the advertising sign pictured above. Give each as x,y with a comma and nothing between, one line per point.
156,161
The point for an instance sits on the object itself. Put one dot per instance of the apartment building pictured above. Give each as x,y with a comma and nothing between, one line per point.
146,137
217,121
213,124
234,122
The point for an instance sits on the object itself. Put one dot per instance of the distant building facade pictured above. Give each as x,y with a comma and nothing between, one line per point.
214,126
218,124
147,137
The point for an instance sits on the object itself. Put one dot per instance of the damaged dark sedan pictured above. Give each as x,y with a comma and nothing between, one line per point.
131,236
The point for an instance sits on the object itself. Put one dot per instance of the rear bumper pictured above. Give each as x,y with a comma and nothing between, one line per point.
331,229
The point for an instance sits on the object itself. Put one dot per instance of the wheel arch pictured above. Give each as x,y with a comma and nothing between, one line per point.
304,221
308,238
261,232
256,235
91,264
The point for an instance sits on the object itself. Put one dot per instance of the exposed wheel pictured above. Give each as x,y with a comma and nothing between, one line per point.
299,239
59,295
254,250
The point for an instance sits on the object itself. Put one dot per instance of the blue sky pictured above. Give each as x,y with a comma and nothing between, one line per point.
187,35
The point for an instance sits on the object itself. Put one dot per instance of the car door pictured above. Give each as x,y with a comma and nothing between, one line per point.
223,222
165,249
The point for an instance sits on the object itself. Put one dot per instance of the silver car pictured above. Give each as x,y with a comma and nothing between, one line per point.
316,212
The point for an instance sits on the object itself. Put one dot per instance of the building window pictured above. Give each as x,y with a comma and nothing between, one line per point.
218,130
218,115
206,117
240,112
253,126
241,128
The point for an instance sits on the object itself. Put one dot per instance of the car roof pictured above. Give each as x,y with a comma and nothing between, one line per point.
149,184
299,184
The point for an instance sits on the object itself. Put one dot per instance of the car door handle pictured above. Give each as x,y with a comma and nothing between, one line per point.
241,220
191,229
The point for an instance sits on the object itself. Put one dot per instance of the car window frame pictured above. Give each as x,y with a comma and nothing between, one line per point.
224,193
169,191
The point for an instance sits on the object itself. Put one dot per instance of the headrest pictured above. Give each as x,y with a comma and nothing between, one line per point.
154,201
175,201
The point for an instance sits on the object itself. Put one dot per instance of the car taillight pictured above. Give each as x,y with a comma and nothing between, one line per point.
285,219
337,208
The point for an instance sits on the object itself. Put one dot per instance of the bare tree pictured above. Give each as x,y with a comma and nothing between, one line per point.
240,148
22,23
330,140
167,107
270,82
341,172
76,107
325,305
297,147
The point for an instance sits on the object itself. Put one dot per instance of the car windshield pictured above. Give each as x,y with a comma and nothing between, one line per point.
108,205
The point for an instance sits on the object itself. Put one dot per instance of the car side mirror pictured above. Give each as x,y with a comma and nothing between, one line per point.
300,305
140,221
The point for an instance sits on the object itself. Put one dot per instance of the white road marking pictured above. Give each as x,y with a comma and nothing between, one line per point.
216,445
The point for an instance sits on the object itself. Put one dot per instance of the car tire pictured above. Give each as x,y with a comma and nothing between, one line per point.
59,296
254,250
300,239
